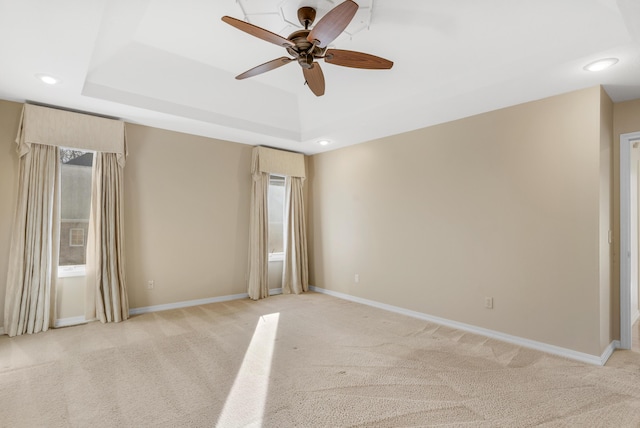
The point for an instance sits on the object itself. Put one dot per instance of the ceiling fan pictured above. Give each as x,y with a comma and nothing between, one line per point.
308,45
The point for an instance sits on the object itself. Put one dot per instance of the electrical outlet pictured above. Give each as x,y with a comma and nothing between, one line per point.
150,284
356,278
488,302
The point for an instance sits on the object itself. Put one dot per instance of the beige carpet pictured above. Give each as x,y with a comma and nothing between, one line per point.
315,361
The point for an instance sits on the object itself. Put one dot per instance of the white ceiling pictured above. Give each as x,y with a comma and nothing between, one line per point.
171,64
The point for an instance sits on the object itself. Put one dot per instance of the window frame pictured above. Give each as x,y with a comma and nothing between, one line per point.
67,271
278,257
72,270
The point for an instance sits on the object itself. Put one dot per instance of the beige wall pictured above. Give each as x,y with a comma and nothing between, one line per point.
187,216
275,274
70,297
626,119
505,204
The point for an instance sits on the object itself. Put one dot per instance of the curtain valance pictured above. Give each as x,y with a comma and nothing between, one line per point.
278,162
53,127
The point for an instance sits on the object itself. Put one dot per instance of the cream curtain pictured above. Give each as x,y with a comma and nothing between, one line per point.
53,127
295,273
266,161
279,162
33,258
258,287
43,129
105,246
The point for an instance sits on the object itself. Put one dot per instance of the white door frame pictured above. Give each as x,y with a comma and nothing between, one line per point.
626,142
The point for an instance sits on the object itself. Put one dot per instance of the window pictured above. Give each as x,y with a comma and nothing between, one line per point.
275,201
75,205
76,237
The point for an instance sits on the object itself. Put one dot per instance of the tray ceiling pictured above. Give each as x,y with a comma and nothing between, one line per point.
172,64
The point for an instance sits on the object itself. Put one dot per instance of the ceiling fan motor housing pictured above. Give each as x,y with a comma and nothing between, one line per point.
303,50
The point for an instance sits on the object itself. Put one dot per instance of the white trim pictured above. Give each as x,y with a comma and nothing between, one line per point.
189,303
71,270
67,322
186,304
609,351
527,343
276,257
626,141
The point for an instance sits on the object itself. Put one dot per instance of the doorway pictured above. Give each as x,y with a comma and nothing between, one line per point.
629,160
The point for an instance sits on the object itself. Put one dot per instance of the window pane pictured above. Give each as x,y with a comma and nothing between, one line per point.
76,237
75,204
276,214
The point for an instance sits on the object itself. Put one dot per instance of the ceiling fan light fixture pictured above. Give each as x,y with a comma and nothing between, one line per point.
600,64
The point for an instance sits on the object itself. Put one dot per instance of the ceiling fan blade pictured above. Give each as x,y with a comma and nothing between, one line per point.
315,79
258,32
333,23
356,60
263,68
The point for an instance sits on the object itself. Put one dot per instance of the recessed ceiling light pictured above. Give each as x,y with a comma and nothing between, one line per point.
324,142
48,79
600,64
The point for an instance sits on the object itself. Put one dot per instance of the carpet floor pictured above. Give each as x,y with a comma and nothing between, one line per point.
301,361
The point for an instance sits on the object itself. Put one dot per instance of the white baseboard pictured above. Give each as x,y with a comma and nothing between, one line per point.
609,351
527,343
544,347
61,322
188,303
67,322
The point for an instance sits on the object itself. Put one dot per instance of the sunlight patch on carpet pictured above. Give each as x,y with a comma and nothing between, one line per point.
245,404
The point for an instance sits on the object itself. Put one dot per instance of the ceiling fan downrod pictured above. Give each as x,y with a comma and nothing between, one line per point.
306,16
